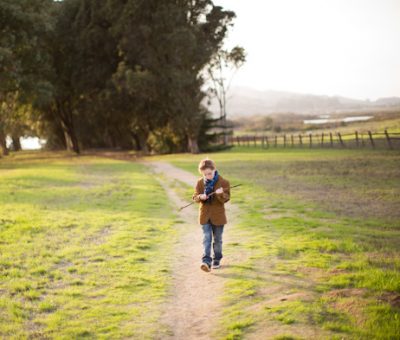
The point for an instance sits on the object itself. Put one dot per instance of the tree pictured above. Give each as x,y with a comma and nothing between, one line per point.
164,47
208,24
113,73
65,65
224,64
23,57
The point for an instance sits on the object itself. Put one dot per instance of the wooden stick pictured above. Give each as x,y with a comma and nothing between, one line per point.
371,139
235,186
388,139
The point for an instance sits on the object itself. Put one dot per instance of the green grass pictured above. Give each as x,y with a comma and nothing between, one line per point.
321,229
376,127
83,245
391,123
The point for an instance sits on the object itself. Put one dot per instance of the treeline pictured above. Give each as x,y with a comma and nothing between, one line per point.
112,73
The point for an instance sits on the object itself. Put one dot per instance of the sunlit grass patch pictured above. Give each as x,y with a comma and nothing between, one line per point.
84,244
315,220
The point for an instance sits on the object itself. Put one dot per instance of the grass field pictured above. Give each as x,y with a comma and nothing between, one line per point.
294,124
78,234
323,231
83,247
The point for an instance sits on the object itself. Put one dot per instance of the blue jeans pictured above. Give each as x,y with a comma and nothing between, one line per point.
209,231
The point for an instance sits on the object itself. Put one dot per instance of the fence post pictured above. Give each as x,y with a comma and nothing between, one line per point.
266,139
340,139
262,142
388,139
255,144
310,137
284,141
371,139
248,141
322,139
292,139
331,139
300,141
276,141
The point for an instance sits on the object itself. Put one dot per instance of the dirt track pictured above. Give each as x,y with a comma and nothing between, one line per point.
194,305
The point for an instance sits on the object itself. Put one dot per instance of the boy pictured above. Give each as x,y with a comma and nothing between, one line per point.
211,191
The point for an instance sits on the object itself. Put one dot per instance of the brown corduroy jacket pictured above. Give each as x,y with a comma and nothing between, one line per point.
216,210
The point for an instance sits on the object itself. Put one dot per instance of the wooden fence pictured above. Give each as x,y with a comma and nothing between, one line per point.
321,140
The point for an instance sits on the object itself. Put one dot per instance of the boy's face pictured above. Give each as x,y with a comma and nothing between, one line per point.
208,173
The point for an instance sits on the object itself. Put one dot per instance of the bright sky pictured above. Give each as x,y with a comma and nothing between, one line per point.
331,47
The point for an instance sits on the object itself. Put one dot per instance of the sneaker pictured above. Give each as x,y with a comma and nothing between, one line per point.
206,267
216,265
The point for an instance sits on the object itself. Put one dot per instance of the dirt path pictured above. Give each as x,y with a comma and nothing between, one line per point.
194,307
194,304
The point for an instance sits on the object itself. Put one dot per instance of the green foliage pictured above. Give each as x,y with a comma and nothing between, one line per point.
24,62
112,73
23,58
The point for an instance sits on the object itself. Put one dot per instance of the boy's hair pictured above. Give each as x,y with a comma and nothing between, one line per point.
206,164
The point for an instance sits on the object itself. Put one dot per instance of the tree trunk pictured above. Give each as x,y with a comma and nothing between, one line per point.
193,145
136,141
70,138
111,140
67,137
3,143
67,124
16,143
74,139
140,138
225,141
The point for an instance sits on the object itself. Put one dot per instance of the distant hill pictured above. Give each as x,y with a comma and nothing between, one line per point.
389,101
247,101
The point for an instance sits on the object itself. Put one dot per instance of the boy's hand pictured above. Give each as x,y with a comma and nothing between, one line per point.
203,197
219,191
